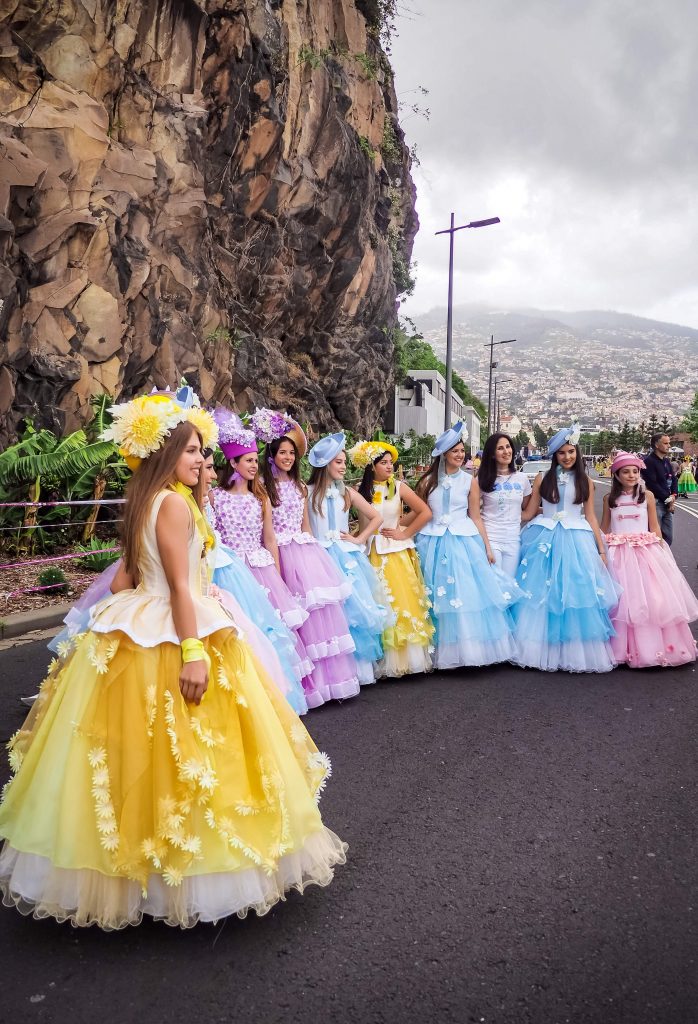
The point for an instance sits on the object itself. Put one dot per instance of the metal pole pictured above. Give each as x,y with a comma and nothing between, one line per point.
494,406
449,328
489,389
498,412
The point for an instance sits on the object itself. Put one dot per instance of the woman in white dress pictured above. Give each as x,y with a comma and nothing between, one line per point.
504,492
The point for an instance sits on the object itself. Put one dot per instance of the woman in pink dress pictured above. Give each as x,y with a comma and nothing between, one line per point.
651,620
307,570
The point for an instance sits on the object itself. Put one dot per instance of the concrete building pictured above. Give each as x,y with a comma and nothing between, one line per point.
419,405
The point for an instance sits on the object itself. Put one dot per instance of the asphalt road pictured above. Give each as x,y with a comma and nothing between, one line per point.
522,849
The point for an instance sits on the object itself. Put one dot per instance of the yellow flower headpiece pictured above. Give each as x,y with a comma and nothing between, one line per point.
139,427
365,452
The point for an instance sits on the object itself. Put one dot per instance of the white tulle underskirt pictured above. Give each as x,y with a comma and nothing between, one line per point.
84,897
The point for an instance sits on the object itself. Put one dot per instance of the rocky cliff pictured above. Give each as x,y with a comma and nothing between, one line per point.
219,190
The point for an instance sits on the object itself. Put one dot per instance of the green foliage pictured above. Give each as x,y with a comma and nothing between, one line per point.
53,577
97,562
314,58
366,147
404,282
689,423
368,64
224,334
412,352
390,147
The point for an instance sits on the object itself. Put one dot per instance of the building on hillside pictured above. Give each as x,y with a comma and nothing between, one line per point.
419,404
510,424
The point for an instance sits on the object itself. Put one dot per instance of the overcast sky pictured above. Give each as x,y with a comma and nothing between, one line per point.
575,122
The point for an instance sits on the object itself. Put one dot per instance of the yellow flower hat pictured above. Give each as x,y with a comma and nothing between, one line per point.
365,452
140,426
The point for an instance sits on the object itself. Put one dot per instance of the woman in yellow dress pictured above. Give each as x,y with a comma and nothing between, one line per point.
160,770
407,643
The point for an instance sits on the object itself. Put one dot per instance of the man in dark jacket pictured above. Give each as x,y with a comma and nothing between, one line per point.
661,481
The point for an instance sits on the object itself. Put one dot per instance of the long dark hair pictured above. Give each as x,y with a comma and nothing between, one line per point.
487,473
549,489
617,490
365,488
267,459
429,481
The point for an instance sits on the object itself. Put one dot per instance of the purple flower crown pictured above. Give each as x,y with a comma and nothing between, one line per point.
231,429
268,425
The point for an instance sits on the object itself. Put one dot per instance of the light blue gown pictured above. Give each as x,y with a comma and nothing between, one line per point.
566,623
366,608
470,597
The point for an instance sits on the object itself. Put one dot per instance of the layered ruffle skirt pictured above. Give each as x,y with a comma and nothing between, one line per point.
651,620
321,590
565,622
126,800
407,640
470,601
366,608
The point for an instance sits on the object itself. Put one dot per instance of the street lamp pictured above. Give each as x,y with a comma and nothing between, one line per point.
493,365
449,317
503,380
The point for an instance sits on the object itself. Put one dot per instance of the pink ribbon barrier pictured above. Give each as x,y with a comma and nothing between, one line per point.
58,558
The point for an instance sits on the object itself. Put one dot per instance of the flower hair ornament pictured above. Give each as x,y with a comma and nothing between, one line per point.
268,426
567,435
234,438
140,427
365,452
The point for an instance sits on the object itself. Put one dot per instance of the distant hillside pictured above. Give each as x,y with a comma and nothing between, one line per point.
607,365
530,325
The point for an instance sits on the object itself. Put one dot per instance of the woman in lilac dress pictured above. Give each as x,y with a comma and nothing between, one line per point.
242,516
308,571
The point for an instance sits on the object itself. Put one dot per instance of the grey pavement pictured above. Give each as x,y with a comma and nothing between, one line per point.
522,848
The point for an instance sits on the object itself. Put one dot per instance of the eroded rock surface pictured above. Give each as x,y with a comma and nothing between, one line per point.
201,189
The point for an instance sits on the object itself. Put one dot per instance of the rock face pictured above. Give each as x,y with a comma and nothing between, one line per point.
217,190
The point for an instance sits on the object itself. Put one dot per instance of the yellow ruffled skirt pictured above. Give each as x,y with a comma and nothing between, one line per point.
127,801
407,643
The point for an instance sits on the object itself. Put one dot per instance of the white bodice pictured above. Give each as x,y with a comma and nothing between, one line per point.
391,510
449,505
628,516
566,513
332,520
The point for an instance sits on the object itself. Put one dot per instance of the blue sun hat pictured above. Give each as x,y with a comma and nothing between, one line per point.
326,449
568,435
450,438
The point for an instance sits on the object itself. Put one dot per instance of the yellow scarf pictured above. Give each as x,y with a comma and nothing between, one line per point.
200,520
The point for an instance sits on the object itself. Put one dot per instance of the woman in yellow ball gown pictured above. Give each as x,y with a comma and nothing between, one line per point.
160,770
407,642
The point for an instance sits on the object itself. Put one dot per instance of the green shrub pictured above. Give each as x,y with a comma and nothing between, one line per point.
53,577
97,562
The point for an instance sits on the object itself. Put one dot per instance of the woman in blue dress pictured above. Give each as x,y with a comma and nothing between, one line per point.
470,595
329,500
566,623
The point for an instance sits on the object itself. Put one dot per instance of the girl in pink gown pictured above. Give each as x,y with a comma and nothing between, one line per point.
308,571
651,620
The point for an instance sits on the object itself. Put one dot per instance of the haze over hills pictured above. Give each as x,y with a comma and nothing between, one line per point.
600,366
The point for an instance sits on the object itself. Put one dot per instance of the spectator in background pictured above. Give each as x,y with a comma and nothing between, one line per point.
661,481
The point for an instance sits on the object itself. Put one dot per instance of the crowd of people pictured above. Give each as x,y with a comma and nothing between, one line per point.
247,596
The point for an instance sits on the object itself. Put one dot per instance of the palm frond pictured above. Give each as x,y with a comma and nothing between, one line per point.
71,458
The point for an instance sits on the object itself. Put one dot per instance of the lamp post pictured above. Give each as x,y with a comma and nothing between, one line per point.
493,366
449,316
495,406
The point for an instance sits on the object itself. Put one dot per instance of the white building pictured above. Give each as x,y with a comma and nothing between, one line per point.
419,405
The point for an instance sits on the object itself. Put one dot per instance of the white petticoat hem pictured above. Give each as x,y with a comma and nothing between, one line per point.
85,897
